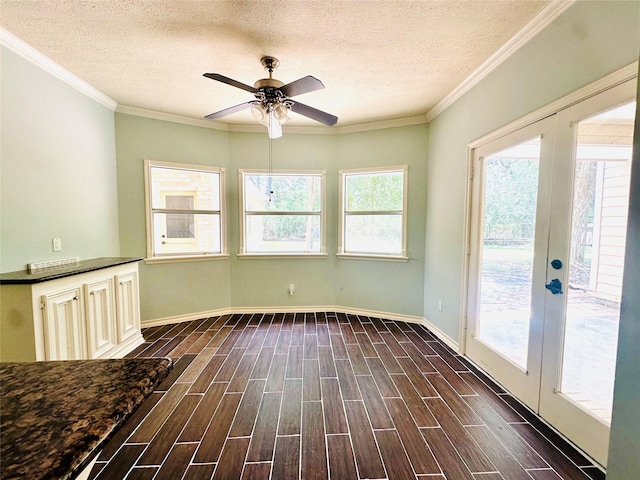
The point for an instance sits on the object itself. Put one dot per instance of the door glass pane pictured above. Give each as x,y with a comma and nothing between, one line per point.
598,233
508,234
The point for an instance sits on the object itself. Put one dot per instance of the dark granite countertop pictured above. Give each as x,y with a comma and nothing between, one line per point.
55,416
23,277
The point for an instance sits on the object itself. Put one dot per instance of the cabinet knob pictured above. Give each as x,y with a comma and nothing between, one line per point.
75,298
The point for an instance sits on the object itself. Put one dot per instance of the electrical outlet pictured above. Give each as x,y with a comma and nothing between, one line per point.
292,288
439,305
57,244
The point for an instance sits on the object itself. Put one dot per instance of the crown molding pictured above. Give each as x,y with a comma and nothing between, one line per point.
245,128
170,117
530,30
29,53
379,125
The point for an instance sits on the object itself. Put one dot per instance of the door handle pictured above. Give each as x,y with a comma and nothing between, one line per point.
557,264
554,286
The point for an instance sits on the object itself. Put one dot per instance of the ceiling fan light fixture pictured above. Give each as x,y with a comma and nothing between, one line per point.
280,111
259,112
274,127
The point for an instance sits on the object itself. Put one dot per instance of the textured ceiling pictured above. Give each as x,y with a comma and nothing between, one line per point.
378,60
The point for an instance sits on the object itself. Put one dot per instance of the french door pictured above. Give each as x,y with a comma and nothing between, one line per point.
548,224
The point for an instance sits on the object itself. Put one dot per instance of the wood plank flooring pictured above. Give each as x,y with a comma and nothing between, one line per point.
327,396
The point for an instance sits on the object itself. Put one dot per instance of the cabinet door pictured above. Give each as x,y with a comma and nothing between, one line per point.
64,325
128,306
101,335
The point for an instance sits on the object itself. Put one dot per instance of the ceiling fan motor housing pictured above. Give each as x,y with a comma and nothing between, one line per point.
268,83
270,63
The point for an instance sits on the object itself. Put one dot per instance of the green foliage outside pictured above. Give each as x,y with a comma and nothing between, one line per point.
511,191
285,193
374,192
302,193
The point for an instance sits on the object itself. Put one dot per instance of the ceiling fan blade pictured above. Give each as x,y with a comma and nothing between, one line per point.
230,110
314,113
302,85
230,81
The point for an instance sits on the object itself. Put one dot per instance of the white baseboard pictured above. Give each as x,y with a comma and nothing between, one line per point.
305,309
127,346
441,335
185,317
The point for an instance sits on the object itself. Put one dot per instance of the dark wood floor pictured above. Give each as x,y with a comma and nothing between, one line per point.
324,395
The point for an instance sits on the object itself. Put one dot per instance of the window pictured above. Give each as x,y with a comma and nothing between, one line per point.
373,204
180,225
185,214
282,213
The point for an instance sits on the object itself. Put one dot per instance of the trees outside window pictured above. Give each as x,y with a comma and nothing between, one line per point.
373,212
282,212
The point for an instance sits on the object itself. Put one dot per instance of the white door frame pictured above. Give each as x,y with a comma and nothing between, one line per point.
588,431
525,384
594,444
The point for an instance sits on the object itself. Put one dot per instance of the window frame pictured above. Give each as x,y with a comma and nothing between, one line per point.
242,244
154,257
343,174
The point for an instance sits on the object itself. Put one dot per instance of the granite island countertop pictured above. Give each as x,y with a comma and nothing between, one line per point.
24,277
55,416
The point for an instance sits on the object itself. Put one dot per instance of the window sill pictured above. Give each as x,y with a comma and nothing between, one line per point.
366,256
185,258
279,256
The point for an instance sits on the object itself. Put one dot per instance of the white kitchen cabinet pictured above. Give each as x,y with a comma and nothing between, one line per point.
64,332
100,312
128,312
91,314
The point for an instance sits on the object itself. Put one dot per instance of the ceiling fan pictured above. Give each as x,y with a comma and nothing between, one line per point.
273,99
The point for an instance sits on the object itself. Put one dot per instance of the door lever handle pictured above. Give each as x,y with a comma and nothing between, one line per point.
554,286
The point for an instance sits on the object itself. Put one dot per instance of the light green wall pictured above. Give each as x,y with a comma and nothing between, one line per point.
264,282
364,284
167,289
57,171
187,288
624,461
587,42
387,286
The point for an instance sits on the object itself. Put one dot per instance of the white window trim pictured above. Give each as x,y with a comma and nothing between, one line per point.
242,253
341,206
171,258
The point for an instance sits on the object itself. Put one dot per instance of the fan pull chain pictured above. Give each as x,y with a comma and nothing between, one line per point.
270,167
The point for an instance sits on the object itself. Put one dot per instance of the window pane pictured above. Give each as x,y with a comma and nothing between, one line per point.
180,225
282,233
203,187
182,233
373,234
283,193
509,222
598,241
374,191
